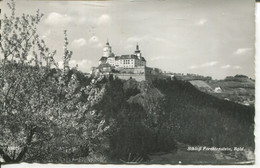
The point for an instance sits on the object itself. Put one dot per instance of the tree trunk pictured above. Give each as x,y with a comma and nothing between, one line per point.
28,142
5,156
21,154
8,159
157,136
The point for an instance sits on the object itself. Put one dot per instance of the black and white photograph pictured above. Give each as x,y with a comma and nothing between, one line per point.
127,82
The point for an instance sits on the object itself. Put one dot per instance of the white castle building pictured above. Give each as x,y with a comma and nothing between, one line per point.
124,66
124,61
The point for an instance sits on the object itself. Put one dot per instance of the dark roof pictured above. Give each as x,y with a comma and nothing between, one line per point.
128,57
104,65
142,58
103,59
112,55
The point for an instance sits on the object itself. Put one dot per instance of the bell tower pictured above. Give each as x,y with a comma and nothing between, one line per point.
138,52
107,51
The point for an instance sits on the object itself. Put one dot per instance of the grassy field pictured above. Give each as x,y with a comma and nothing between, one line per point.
237,91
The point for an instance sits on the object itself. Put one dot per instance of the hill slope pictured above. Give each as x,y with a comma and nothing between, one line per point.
156,117
202,119
236,89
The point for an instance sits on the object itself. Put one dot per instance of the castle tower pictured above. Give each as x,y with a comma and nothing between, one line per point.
138,52
107,51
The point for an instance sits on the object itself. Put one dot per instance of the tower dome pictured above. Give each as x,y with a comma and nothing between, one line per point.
107,51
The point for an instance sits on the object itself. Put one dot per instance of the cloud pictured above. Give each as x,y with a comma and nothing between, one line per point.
209,64
104,19
95,4
77,43
225,66
60,64
193,67
229,66
236,67
241,51
83,65
201,22
46,34
55,18
95,42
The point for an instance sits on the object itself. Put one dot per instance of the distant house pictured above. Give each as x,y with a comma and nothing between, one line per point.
218,90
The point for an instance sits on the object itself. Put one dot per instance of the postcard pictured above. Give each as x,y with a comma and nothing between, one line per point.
127,82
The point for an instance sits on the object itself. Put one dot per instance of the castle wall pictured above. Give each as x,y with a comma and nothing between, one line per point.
151,77
140,74
136,70
126,76
140,77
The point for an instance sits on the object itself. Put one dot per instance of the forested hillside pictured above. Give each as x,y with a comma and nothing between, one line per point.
151,118
201,119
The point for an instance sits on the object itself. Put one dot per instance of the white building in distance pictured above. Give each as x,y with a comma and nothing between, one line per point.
124,61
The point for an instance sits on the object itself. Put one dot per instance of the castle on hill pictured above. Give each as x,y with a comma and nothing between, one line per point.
124,66
123,61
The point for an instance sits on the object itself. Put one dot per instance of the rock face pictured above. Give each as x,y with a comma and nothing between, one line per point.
149,96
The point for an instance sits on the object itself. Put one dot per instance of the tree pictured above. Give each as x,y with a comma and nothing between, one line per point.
42,113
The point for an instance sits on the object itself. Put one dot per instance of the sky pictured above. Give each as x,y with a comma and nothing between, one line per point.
207,37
